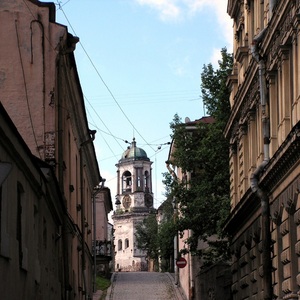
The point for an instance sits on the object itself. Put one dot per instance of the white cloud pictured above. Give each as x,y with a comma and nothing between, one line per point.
172,10
215,57
167,9
180,66
220,7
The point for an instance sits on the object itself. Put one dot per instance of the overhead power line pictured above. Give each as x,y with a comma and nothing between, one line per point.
102,80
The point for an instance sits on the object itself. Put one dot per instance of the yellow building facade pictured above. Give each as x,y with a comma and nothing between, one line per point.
264,134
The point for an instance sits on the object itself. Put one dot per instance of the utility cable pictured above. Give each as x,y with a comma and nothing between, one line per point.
25,87
102,80
101,120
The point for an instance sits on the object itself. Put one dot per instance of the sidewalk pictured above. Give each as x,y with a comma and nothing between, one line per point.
97,295
171,276
112,279
177,288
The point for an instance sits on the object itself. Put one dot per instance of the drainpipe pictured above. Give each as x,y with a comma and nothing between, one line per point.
97,190
254,179
175,208
90,140
65,233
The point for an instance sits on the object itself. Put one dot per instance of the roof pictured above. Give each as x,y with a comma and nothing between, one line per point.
206,120
191,126
134,152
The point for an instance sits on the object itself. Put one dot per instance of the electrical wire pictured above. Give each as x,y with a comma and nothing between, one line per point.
46,37
25,87
101,120
102,80
111,94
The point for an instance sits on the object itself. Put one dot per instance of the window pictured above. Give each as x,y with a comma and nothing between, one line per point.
146,181
126,243
126,181
139,179
119,245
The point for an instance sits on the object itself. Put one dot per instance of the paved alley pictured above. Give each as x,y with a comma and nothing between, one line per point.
143,286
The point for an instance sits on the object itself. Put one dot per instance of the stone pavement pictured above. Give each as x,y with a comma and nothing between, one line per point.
143,285
97,295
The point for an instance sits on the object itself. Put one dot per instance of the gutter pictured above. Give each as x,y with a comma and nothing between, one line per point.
254,179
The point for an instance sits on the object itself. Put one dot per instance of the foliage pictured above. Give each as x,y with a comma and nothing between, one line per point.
202,154
215,94
102,283
157,239
166,233
146,236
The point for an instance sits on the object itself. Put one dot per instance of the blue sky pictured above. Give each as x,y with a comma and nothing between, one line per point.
139,63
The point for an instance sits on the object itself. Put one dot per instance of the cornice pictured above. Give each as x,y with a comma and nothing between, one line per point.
233,7
242,213
244,99
241,52
284,160
279,32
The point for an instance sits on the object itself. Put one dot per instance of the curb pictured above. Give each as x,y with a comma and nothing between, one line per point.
178,290
110,289
97,295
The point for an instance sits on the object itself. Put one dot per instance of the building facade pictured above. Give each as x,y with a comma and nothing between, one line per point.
102,231
195,280
264,156
134,201
31,218
41,91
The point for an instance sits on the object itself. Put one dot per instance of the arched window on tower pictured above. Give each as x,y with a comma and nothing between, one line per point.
139,179
119,245
126,182
146,181
126,243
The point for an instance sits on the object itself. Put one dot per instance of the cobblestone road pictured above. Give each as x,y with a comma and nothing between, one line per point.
142,286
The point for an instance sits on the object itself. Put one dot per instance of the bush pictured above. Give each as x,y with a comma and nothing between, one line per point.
102,283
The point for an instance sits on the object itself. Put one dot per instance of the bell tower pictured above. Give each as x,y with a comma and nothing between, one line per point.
134,201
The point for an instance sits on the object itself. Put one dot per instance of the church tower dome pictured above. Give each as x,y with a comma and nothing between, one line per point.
134,153
134,202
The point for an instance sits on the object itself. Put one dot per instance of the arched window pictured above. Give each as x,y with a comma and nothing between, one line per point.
119,245
126,181
126,243
146,181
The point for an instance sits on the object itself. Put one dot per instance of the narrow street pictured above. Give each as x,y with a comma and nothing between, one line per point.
143,286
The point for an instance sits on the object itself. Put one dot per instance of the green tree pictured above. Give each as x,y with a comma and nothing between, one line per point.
146,236
204,199
158,239
166,233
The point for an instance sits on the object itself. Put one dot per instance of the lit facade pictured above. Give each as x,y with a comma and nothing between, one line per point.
41,92
134,201
264,156
195,281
